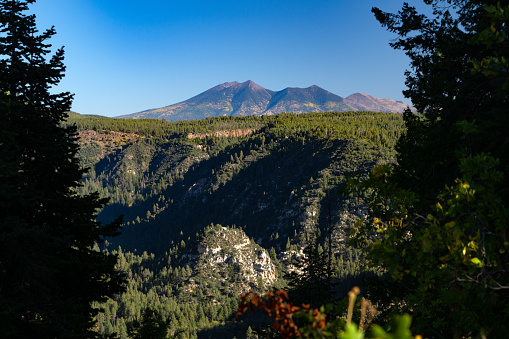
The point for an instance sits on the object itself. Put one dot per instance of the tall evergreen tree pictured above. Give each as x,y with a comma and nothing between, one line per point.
150,327
308,282
447,249
458,82
49,271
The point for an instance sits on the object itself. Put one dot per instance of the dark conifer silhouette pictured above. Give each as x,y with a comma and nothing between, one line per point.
49,270
308,283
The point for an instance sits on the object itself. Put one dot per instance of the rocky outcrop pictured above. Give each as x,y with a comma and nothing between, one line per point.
227,255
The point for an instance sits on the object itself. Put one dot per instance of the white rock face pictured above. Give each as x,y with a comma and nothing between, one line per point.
229,253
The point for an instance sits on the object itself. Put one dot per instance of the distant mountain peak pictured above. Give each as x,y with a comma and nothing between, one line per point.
227,84
249,98
366,102
252,85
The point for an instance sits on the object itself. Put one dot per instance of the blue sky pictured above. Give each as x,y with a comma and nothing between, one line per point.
126,56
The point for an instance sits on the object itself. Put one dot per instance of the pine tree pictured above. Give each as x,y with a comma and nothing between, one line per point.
308,282
450,266
458,81
49,271
250,334
151,326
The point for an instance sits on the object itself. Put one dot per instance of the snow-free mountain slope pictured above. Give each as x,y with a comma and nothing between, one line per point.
249,98
366,102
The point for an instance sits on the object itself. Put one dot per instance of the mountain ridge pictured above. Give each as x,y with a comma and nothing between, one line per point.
249,98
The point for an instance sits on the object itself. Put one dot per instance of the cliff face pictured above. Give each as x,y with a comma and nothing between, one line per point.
226,258
223,133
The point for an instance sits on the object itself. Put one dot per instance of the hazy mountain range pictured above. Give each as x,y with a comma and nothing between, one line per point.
248,98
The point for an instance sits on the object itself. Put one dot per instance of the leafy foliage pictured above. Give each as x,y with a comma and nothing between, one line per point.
445,249
293,321
454,254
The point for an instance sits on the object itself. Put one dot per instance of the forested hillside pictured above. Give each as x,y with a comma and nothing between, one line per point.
272,179
148,229
170,180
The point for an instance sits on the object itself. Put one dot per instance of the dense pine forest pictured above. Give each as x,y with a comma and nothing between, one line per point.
274,180
328,225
